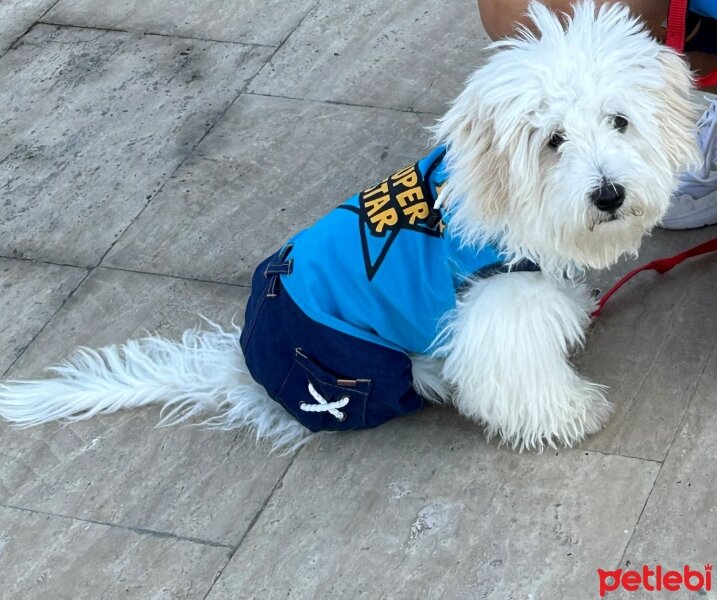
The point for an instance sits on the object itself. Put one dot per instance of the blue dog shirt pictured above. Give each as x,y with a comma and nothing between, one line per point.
384,266
334,314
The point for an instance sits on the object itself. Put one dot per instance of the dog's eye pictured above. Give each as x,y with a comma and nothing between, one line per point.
620,123
556,139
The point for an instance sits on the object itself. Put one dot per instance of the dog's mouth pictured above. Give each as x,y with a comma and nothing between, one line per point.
604,219
618,215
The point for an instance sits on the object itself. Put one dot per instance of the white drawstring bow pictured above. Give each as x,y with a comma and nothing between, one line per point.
324,406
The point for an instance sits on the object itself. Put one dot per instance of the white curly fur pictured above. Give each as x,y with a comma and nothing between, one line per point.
519,330
203,373
507,185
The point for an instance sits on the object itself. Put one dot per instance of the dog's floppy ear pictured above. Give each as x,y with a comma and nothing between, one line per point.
479,166
677,113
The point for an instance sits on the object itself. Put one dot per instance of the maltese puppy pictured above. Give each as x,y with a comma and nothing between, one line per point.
456,279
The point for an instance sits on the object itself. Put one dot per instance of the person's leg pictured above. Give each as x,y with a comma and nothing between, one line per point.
500,17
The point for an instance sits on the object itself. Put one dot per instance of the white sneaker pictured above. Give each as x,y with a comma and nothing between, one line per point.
694,203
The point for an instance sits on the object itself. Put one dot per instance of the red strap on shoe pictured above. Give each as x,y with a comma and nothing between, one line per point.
661,265
675,37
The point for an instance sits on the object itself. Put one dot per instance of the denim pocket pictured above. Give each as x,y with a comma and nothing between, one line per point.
321,400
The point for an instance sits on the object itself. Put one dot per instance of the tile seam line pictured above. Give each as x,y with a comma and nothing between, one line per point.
246,286
343,103
642,458
43,262
127,270
672,441
41,21
252,523
16,41
208,131
137,530
88,272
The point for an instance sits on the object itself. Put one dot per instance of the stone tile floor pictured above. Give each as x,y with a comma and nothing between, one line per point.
150,153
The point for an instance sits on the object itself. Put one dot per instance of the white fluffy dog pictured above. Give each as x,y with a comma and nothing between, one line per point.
562,150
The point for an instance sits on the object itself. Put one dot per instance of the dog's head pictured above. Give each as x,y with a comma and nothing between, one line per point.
566,145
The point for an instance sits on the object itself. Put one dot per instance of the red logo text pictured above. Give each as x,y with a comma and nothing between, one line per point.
655,580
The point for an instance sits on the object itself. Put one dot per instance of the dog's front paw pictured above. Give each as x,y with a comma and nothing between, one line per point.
587,409
550,417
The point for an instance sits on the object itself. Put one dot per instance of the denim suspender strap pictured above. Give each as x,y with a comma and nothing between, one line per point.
281,267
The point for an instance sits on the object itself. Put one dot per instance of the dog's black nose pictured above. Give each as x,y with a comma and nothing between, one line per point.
608,197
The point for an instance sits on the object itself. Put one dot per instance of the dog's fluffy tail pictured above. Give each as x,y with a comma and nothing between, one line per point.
205,372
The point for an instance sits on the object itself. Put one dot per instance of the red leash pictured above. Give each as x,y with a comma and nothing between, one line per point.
661,265
675,38
676,25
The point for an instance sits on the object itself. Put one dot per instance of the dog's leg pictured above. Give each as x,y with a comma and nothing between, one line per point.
203,373
428,378
507,356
